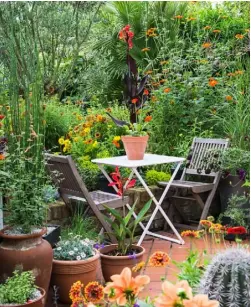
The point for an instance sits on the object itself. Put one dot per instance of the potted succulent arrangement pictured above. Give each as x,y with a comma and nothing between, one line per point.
135,95
20,290
74,259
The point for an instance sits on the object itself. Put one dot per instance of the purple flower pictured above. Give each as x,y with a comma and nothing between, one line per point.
136,305
242,173
132,255
96,245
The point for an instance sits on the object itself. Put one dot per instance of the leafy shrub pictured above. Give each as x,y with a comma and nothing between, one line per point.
153,177
17,289
74,249
89,172
50,193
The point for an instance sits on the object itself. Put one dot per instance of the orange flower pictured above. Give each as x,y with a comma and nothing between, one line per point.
151,32
155,84
212,82
154,98
2,116
148,72
206,45
94,292
145,49
231,74
191,19
124,287
76,290
206,223
190,234
159,259
216,31
207,28
162,80
148,119
138,266
178,17
88,141
146,92
134,100
229,98
239,36
2,157
200,300
167,90
170,294
116,144
239,72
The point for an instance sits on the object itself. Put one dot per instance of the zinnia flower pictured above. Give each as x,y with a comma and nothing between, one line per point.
94,292
167,90
212,82
124,287
200,300
159,259
229,98
134,100
239,36
206,45
148,118
171,294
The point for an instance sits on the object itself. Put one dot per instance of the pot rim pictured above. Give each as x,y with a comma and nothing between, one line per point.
22,236
43,292
121,257
134,137
77,262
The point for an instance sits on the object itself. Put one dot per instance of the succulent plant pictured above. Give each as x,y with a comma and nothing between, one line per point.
227,278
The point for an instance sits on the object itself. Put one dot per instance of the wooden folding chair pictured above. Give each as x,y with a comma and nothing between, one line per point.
201,149
64,173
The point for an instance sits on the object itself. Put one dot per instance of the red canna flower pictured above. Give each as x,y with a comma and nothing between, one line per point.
146,92
126,35
119,181
2,116
239,230
134,100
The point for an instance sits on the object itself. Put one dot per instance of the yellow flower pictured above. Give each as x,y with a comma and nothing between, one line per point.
145,49
76,139
159,259
138,266
117,138
99,118
95,144
229,98
87,130
206,45
207,28
61,141
239,36
163,62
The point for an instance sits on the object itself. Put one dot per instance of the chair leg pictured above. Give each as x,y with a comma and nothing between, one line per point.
207,206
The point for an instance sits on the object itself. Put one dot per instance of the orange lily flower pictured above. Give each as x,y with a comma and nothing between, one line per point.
200,300
170,295
124,287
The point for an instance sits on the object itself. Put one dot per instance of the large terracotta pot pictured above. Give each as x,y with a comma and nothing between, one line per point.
28,252
115,264
135,146
40,302
65,273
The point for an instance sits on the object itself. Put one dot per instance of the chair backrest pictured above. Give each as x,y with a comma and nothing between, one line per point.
199,151
64,173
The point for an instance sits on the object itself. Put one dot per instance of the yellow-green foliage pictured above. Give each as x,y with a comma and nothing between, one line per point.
153,176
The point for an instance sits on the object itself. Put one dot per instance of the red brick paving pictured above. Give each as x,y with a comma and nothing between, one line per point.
175,251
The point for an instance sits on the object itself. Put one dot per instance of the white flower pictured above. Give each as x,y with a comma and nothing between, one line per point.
58,248
71,253
84,243
87,240
76,250
83,255
78,258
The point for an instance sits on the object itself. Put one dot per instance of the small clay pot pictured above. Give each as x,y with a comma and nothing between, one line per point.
66,273
135,146
29,252
112,265
40,302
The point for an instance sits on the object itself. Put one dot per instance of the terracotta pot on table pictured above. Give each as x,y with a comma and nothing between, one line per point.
135,146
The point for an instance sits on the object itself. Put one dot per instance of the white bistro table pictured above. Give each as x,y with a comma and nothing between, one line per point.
149,159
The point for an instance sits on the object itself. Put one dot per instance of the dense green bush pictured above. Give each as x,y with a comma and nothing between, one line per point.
153,177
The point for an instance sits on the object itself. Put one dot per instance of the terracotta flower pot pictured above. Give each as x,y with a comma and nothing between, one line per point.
115,264
40,302
65,273
28,252
135,146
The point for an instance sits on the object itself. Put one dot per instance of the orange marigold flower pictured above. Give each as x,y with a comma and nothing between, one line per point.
239,36
145,49
148,118
146,92
206,45
212,82
138,266
167,90
216,31
159,259
178,17
207,28
229,98
97,135
134,100
94,292
190,234
205,223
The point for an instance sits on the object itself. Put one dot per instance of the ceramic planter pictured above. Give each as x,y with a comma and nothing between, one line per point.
135,146
65,273
40,302
29,252
115,264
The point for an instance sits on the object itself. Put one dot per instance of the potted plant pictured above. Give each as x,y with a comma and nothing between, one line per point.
74,259
115,257
20,290
135,98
